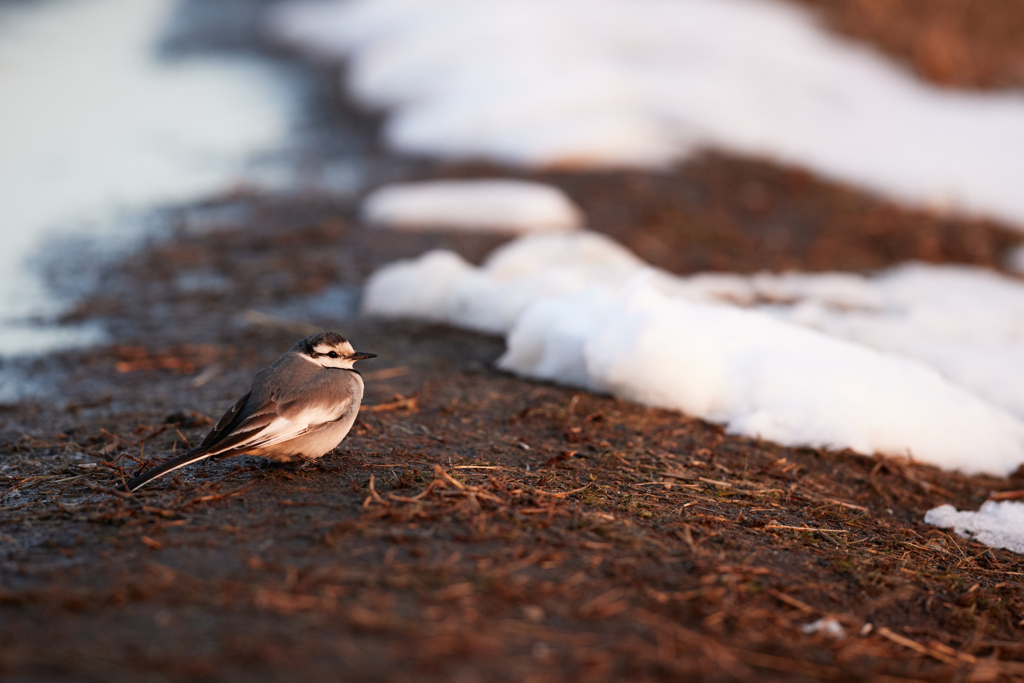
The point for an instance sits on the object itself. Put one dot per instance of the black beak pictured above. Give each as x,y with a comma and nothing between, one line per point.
358,355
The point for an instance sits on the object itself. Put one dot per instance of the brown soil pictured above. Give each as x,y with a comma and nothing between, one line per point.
475,526
961,43
742,215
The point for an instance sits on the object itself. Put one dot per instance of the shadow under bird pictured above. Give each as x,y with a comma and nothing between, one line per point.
299,407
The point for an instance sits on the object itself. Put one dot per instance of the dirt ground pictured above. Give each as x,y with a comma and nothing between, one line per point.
475,526
957,43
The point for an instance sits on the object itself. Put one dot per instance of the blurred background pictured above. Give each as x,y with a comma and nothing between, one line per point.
113,108
722,135
730,136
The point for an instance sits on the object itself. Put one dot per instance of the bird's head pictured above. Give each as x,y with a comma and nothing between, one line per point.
330,350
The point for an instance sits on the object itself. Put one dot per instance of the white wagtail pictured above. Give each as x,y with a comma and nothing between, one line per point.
299,407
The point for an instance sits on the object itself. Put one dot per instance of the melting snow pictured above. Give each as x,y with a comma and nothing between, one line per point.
490,205
996,524
93,122
646,82
917,360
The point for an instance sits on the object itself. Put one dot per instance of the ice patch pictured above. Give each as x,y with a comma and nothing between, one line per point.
28,339
514,206
646,82
996,524
918,360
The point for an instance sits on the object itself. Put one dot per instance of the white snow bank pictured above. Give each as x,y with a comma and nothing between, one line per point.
483,205
762,377
646,82
917,361
966,322
442,287
996,524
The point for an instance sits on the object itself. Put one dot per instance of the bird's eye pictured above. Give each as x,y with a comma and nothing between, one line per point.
333,354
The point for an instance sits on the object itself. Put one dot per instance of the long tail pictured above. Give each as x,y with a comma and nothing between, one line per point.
160,470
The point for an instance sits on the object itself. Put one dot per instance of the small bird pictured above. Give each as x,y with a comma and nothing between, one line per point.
299,407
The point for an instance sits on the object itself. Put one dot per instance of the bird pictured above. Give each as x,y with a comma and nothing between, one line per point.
299,407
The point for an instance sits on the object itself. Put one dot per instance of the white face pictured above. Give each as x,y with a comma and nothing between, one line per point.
334,355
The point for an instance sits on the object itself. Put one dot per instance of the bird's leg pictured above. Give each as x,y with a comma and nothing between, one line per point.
273,464
308,462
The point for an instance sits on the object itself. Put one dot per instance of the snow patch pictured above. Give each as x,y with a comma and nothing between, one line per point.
914,361
497,205
94,121
647,82
996,524
966,322
828,626
442,287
